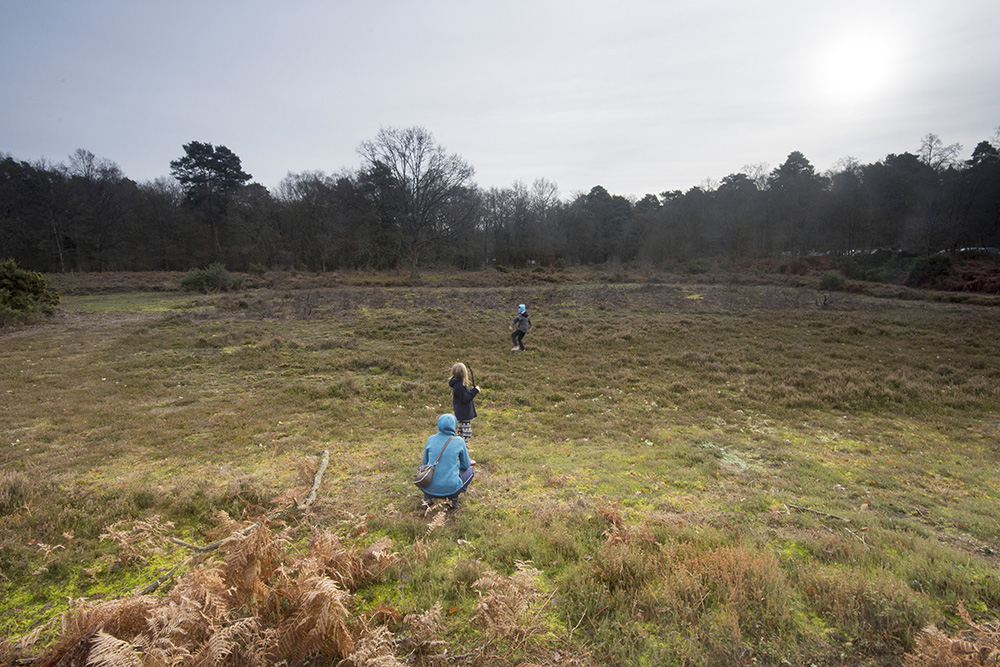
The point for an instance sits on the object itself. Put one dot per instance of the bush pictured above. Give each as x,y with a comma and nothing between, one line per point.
881,266
257,269
832,281
926,269
698,266
23,293
213,279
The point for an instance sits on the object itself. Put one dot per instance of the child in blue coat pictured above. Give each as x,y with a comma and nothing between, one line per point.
520,326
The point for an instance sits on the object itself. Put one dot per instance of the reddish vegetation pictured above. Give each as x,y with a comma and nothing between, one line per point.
973,275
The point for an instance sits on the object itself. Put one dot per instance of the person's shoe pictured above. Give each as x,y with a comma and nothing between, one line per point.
515,349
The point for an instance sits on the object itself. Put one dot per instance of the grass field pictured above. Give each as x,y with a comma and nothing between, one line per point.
671,474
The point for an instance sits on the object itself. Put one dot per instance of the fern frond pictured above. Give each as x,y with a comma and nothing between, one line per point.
439,519
375,649
205,586
316,622
503,609
373,561
424,637
250,559
225,642
139,537
336,562
109,651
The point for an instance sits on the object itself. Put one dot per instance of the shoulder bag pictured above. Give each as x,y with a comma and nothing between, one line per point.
425,471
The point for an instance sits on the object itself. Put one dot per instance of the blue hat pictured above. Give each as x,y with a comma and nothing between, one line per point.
521,308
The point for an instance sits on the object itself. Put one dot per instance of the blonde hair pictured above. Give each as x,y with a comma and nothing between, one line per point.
460,371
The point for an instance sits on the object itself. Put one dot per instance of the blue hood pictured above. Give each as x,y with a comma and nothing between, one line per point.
446,424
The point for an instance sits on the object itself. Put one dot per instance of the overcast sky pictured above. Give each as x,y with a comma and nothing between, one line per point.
637,96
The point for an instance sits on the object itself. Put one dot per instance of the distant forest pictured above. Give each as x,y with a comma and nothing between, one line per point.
412,204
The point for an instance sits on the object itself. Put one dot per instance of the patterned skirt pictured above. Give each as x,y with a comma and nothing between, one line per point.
464,430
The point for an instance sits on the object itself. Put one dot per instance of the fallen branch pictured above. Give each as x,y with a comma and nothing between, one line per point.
242,531
860,538
573,629
153,585
809,509
319,476
198,550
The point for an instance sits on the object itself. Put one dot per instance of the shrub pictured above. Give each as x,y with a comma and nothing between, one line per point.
926,269
23,293
213,279
559,264
832,281
257,269
698,266
881,266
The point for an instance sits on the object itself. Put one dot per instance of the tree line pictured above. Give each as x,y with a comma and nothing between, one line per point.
413,204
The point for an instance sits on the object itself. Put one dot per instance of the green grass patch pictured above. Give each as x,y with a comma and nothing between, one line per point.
743,477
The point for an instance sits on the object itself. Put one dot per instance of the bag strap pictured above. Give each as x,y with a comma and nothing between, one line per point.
442,450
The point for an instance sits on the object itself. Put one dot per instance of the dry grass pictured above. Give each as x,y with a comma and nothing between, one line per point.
639,474
258,603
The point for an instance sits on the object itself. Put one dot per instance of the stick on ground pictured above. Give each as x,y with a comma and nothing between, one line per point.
809,509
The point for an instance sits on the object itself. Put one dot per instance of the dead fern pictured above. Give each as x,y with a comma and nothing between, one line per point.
307,467
228,642
253,602
619,532
315,622
351,568
80,626
503,608
136,539
375,649
109,651
439,518
976,645
250,563
424,636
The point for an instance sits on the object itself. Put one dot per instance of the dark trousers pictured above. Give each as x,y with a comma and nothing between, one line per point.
517,338
466,477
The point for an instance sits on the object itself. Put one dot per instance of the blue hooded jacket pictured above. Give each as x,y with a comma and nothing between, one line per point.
455,458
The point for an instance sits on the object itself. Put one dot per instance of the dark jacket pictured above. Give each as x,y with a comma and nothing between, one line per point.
522,322
461,400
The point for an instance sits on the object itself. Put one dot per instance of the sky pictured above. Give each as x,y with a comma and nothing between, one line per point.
639,96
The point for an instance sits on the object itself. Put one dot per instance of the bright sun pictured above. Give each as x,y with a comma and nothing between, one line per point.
855,68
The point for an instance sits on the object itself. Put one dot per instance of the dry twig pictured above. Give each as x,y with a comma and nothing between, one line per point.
152,586
809,509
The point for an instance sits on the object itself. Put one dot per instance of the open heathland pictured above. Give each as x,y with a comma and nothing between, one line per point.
672,473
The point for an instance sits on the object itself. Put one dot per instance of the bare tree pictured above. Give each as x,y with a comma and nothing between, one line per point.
936,155
418,183
759,173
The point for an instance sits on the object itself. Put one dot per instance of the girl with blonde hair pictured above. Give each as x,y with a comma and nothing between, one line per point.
462,400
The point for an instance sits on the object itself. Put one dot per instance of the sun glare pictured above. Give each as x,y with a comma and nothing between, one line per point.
855,68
